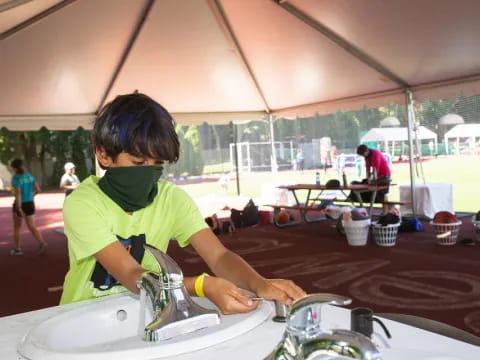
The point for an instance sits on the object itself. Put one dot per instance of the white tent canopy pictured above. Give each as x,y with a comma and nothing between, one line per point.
397,134
471,132
224,60
463,131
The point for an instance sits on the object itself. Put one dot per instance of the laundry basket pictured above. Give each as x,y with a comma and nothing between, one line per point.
385,235
446,234
476,225
356,231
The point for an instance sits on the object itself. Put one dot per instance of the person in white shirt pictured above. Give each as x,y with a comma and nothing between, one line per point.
69,180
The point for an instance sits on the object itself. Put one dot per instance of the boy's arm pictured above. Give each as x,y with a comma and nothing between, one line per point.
228,265
123,267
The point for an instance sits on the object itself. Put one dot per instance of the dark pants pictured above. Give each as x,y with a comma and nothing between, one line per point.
367,195
27,207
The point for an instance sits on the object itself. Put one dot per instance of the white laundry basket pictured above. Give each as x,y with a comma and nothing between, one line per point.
385,235
356,231
446,234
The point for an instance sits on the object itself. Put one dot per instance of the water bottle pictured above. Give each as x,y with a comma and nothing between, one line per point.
344,176
317,178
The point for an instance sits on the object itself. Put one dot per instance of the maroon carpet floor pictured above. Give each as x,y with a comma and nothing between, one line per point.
414,277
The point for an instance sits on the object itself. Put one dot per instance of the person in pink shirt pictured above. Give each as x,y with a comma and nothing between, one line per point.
374,159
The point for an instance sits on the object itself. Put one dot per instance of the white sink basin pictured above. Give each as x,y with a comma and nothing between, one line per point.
110,330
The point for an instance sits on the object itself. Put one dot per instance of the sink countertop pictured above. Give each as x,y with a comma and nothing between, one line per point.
407,342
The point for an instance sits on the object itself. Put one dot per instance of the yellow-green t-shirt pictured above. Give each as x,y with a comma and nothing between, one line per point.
93,221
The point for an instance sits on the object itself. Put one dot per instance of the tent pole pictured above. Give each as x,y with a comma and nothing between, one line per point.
7,5
31,21
411,124
292,154
126,52
273,158
235,151
226,26
342,42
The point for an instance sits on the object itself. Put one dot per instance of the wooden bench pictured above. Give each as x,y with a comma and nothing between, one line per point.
393,203
302,209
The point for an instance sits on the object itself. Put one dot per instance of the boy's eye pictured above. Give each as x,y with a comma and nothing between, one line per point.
139,162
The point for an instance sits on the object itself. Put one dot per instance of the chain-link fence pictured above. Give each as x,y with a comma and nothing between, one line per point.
327,143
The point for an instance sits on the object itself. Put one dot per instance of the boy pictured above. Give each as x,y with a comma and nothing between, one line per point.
69,180
108,220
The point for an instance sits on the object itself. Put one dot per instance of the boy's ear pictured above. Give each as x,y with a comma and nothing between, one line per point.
103,159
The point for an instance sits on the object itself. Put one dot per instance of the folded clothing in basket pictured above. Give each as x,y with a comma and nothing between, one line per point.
359,214
388,218
353,216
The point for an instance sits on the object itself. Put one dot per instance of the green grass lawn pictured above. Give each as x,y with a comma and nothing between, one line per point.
462,171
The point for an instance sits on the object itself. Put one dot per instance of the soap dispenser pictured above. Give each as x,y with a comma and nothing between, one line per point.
305,339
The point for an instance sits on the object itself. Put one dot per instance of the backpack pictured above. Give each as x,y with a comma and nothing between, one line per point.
246,217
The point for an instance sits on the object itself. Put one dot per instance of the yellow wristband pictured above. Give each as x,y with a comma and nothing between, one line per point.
199,285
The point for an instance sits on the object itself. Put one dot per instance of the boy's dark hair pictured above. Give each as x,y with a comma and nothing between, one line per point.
361,149
17,165
137,125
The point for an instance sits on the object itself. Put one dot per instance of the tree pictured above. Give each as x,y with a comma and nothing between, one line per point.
190,161
45,152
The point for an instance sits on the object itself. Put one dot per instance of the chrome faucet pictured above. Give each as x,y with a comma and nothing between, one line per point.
305,339
174,312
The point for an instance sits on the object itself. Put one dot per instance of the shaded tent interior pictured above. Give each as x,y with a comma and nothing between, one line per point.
222,61
226,60
219,61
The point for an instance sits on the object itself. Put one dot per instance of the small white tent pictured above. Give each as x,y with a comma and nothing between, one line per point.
397,134
470,132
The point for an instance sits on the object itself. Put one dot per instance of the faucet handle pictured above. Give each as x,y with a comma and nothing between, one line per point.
171,274
304,319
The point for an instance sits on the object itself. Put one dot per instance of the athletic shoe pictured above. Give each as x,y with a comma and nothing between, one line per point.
42,249
15,252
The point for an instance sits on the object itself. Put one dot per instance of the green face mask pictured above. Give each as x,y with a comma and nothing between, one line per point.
131,187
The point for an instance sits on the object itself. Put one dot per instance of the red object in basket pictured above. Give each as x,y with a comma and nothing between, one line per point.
444,217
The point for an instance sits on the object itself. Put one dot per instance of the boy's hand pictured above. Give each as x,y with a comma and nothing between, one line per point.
285,291
229,298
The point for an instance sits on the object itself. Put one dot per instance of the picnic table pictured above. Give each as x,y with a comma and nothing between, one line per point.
318,193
